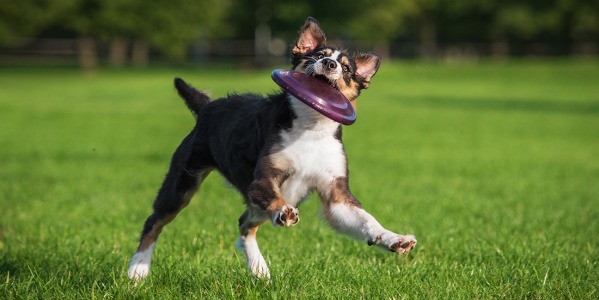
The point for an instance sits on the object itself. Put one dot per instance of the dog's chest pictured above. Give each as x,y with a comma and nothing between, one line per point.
314,157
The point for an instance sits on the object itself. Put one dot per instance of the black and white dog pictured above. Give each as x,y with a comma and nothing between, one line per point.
275,151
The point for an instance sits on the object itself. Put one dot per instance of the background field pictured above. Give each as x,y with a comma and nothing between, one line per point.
493,166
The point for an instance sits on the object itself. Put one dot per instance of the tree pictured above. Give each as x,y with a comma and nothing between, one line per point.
383,21
378,22
167,25
584,19
525,21
171,25
27,18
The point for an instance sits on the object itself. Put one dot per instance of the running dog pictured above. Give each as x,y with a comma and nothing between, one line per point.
274,150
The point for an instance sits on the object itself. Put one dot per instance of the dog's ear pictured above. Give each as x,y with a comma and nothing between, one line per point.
366,66
310,38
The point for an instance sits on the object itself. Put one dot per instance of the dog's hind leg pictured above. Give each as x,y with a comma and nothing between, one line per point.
181,183
247,242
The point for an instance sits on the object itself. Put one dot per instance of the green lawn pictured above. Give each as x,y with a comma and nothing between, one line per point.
493,166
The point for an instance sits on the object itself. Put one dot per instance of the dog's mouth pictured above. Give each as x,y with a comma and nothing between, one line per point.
317,72
324,78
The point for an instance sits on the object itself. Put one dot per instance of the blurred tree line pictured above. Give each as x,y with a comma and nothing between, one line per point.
170,26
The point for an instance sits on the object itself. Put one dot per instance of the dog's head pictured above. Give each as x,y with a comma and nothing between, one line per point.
349,74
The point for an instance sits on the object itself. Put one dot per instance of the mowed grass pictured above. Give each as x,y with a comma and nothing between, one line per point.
493,166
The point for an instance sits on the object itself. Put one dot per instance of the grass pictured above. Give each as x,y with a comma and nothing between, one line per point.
493,166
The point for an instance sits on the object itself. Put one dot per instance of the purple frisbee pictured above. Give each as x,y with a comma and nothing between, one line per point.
317,94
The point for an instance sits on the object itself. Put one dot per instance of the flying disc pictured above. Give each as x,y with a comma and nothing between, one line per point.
317,94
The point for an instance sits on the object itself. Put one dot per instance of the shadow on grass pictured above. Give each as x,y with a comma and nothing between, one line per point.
581,108
8,268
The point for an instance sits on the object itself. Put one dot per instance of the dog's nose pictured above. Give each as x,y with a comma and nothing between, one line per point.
329,63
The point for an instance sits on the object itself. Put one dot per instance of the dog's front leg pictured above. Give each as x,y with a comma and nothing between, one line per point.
264,193
346,215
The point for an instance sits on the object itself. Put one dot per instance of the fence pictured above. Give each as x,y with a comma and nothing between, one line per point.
245,53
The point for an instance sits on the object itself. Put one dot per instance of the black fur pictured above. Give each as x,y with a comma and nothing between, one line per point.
242,128
194,99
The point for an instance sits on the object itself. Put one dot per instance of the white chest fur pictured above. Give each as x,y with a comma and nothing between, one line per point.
314,155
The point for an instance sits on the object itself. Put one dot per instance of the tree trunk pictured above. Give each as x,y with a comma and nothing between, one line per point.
500,48
428,39
584,49
140,53
262,38
88,56
383,48
118,52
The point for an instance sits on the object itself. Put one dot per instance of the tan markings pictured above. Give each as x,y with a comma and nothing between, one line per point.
276,169
279,202
152,236
276,205
250,222
280,162
351,91
339,193
345,60
252,231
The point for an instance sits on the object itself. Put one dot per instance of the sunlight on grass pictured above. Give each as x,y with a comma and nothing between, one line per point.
493,167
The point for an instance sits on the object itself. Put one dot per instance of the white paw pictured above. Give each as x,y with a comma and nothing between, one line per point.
400,244
139,267
254,259
260,269
287,216
403,244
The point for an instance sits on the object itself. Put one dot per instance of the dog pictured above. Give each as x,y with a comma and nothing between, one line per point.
274,151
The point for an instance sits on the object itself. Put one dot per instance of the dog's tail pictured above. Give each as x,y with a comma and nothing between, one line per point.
194,99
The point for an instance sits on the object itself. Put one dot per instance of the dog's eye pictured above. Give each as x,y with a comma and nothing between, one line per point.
345,68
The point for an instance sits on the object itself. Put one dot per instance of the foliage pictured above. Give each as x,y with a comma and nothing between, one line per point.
169,26
27,18
584,16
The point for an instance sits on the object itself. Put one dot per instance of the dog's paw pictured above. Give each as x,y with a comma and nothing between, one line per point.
393,242
403,244
260,270
138,268
255,261
286,216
